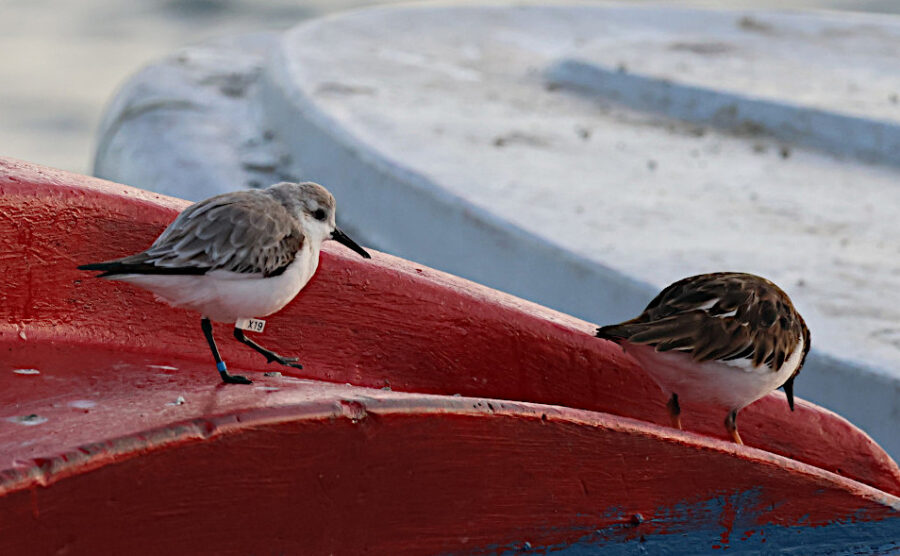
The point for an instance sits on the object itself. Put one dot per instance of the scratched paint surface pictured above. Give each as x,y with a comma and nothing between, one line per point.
720,525
322,468
839,539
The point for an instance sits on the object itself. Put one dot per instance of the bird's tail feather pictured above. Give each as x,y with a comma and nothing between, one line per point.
108,268
113,268
611,332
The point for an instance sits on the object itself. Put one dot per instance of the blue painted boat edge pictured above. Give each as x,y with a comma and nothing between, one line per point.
729,523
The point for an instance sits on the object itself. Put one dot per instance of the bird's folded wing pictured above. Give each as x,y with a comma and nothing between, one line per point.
717,317
247,232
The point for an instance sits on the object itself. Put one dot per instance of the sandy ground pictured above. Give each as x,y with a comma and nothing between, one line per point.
60,61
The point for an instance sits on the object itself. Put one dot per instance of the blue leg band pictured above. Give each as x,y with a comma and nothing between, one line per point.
221,366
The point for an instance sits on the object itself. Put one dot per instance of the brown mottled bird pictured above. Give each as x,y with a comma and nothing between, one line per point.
727,338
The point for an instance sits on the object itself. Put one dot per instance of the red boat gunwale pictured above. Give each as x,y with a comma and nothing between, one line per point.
321,459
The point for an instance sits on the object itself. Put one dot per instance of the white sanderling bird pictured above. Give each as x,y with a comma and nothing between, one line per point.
727,338
236,256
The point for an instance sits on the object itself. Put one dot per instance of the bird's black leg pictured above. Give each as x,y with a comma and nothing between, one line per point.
674,411
206,325
270,355
731,426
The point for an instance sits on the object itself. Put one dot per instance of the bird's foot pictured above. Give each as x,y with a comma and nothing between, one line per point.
674,411
675,420
234,379
286,361
231,379
731,427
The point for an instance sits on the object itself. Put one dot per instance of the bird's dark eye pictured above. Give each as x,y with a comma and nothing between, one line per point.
319,214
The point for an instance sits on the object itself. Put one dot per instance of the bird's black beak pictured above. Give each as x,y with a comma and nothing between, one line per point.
343,238
789,390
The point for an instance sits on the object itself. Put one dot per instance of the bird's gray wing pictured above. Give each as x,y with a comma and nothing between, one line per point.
245,231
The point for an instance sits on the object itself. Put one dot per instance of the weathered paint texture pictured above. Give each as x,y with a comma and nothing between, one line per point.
313,467
125,439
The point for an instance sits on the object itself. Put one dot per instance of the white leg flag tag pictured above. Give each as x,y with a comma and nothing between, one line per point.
251,325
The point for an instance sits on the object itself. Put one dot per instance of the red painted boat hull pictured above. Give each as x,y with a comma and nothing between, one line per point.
551,443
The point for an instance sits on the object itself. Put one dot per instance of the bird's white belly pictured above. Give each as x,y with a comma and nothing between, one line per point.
226,296
733,384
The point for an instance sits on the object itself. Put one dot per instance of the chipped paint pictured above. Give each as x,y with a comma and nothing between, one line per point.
28,420
697,528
